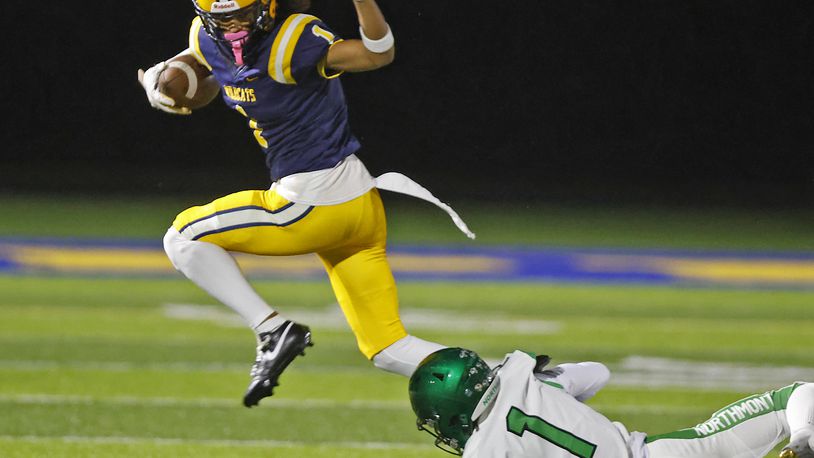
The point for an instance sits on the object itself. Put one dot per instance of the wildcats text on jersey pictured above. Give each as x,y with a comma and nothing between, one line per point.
239,94
296,109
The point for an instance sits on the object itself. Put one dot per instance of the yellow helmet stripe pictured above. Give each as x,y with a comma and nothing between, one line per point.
283,47
194,44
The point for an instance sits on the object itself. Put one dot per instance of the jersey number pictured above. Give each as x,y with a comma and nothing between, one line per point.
518,422
258,132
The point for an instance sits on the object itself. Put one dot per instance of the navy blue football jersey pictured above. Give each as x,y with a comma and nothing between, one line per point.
296,110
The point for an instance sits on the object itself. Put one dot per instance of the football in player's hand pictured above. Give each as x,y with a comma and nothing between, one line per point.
188,82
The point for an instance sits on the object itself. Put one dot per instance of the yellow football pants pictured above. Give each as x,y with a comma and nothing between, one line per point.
349,238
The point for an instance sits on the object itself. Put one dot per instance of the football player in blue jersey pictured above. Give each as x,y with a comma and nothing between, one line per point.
278,68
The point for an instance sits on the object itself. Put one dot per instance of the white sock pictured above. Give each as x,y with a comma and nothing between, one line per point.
270,324
404,355
215,271
800,416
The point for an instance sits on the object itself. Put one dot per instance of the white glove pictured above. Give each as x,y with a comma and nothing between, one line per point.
158,100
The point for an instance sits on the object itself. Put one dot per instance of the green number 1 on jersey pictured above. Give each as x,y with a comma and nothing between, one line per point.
518,422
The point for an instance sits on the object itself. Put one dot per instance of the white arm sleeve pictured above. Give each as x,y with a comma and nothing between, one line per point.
580,380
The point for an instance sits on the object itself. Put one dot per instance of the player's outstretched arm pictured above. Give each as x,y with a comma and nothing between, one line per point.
374,50
149,81
580,380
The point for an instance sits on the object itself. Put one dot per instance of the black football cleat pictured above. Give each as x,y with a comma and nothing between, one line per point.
801,445
787,453
274,353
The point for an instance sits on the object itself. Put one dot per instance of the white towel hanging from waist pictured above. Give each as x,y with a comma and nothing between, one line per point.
396,182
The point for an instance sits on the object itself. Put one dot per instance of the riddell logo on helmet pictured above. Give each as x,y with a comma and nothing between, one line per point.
225,7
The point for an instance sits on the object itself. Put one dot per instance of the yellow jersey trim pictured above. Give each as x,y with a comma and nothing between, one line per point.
322,66
320,32
282,49
195,45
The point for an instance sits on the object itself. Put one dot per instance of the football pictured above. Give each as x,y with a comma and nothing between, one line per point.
188,82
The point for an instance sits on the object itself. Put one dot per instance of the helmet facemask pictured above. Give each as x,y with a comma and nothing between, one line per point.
447,444
235,28
444,391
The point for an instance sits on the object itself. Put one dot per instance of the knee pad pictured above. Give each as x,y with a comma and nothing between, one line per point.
800,408
174,244
800,417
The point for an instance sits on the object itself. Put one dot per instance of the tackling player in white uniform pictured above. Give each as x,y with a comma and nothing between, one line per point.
520,409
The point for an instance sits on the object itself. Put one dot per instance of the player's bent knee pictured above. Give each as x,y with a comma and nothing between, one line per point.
800,408
174,244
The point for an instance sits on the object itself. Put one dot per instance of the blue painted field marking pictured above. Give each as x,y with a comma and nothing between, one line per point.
547,264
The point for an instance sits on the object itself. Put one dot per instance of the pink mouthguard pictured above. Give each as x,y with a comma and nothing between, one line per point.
237,39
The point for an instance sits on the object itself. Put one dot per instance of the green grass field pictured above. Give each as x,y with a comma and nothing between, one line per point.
108,367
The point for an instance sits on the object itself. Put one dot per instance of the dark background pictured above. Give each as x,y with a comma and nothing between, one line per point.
665,102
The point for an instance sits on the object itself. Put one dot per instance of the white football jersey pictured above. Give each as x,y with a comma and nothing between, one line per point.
533,418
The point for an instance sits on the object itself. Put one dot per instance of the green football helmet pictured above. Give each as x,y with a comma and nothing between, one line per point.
444,390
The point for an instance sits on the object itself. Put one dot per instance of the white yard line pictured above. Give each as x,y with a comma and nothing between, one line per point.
644,371
125,401
178,366
120,366
131,440
331,317
633,371
54,399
